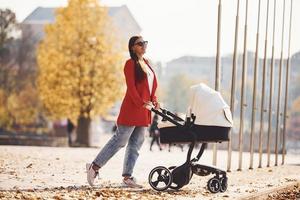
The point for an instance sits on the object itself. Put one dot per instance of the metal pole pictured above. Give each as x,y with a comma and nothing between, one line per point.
287,87
254,90
243,92
262,110
279,91
272,74
218,70
233,78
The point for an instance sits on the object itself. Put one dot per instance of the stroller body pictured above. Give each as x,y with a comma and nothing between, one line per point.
208,121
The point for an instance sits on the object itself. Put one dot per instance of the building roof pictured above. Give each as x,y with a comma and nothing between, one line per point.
44,15
185,59
41,15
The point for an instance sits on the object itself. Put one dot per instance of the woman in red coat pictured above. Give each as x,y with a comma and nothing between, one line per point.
134,117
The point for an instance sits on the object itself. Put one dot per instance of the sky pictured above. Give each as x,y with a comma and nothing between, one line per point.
176,28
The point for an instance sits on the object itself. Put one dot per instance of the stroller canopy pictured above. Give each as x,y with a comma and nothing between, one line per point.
209,107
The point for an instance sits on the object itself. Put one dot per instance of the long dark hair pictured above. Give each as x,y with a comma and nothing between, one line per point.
139,73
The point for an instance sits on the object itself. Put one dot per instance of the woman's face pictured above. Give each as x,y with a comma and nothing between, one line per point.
140,46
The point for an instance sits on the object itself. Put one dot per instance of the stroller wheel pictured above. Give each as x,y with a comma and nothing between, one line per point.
223,182
160,178
214,185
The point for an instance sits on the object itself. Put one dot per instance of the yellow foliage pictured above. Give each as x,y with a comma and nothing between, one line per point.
19,108
23,106
5,119
80,66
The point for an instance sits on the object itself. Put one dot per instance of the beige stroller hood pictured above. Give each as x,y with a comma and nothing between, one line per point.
209,107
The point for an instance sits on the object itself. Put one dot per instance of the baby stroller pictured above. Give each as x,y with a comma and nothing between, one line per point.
208,120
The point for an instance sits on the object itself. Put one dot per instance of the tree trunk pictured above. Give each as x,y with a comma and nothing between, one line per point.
83,129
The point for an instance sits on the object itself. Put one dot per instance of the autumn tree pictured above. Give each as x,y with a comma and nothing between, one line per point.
7,26
80,69
18,96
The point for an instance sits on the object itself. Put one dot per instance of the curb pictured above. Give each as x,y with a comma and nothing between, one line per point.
265,194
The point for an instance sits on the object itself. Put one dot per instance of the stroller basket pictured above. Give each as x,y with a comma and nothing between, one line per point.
198,133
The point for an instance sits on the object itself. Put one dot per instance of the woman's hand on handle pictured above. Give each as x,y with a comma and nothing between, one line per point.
157,105
148,105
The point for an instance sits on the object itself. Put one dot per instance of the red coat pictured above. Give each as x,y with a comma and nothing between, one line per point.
132,112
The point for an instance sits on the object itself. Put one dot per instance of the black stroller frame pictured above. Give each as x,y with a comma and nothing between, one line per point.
175,177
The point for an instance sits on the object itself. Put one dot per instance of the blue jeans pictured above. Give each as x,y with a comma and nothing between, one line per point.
134,136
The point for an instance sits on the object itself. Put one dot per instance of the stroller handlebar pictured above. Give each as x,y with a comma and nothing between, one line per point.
173,118
167,115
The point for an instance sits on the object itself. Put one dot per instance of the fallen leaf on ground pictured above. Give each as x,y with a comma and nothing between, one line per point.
29,166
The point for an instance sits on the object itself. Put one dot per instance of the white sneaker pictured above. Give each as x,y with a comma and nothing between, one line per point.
91,174
131,182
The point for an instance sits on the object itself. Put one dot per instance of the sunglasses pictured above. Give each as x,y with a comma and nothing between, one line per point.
143,43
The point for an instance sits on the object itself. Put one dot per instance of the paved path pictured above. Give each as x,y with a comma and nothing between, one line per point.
59,173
